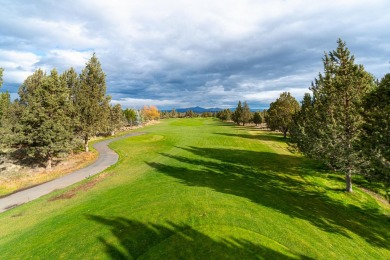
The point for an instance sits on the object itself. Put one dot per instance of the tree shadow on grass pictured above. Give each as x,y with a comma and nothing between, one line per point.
280,182
169,240
262,137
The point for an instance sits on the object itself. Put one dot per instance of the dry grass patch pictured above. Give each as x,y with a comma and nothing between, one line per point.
84,187
19,178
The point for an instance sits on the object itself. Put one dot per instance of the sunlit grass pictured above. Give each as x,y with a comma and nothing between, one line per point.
202,189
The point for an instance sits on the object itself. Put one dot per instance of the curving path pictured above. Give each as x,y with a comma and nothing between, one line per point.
106,158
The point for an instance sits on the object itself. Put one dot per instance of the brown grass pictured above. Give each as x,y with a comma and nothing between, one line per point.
27,177
84,187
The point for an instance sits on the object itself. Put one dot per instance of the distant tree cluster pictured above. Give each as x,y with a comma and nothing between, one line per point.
242,115
56,110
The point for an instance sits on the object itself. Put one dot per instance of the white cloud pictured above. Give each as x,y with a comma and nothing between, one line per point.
204,52
138,103
17,65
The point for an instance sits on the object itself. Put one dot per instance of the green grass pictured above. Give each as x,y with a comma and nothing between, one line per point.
202,189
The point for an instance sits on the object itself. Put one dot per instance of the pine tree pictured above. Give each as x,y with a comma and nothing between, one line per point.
91,102
4,112
44,119
257,118
5,127
116,118
1,77
332,123
130,116
237,115
246,114
281,112
375,139
173,113
72,82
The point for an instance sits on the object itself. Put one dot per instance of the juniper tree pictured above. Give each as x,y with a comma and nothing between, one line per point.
246,114
237,114
281,112
45,123
4,110
116,118
130,116
257,118
91,102
331,126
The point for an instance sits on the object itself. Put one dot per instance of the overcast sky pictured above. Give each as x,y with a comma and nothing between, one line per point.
176,53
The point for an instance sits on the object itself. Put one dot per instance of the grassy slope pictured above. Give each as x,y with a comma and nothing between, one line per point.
197,188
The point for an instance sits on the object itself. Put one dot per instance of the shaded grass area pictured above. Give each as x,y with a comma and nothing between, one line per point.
264,180
201,189
181,241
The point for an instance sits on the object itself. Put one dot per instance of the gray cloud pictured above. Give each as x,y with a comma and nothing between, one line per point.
207,53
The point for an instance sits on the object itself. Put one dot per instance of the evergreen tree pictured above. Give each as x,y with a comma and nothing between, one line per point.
375,139
246,115
44,119
173,114
190,114
4,112
130,116
91,102
257,118
72,82
237,115
5,126
116,118
331,123
281,112
224,115
1,77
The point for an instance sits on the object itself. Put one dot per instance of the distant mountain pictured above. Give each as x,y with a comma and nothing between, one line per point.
198,109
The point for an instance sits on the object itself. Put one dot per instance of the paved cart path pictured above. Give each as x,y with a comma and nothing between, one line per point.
106,158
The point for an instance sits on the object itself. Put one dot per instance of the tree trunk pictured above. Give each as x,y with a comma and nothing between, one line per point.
48,163
285,134
348,182
86,141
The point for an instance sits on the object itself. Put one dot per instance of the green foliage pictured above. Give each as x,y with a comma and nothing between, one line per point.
246,115
257,119
5,104
190,114
91,102
130,116
281,112
225,115
46,125
173,114
237,114
1,77
329,126
375,139
116,118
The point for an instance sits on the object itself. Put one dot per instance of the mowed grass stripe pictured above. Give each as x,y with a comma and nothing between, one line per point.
203,189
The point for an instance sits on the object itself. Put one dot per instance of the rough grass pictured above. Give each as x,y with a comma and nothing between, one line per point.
202,189
25,177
